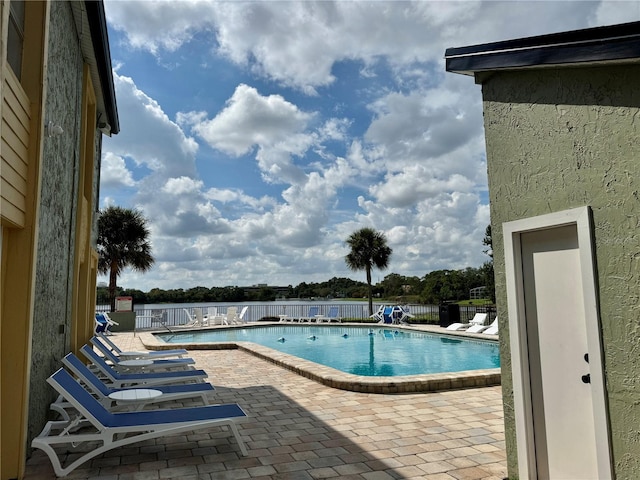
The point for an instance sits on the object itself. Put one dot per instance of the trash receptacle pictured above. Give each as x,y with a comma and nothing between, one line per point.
449,313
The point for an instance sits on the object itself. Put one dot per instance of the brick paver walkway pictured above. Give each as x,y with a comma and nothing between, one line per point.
299,429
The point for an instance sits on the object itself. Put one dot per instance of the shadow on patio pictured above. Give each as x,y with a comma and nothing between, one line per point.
299,429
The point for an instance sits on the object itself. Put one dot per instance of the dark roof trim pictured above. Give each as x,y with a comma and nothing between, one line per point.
593,45
100,39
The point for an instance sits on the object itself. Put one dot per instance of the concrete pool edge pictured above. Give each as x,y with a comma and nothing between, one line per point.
346,381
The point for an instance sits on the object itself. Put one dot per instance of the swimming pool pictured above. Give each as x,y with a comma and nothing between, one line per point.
364,351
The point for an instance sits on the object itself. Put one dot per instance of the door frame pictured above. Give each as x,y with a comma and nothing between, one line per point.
580,217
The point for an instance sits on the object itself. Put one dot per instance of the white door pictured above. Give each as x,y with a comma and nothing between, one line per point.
564,433
560,407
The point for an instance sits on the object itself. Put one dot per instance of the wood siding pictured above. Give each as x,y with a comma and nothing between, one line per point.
16,119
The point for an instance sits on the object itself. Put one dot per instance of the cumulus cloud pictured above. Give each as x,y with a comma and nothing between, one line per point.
156,25
147,135
249,120
298,43
114,172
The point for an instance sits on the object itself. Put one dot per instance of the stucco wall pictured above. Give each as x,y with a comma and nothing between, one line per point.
558,139
56,223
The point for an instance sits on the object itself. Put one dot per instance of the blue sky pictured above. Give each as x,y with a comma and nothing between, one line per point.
256,136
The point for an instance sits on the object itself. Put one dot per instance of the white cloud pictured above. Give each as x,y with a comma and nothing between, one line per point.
147,135
610,12
181,186
157,25
249,120
114,172
298,43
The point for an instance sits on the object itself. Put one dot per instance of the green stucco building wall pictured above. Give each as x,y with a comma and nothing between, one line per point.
559,138
57,212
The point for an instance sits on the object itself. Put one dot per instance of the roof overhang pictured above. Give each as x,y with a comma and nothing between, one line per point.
615,44
91,24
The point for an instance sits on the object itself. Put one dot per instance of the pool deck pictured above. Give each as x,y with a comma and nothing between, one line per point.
298,428
346,381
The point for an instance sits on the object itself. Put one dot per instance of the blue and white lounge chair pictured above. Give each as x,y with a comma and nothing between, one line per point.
112,430
103,323
120,380
102,391
314,311
332,314
387,315
403,314
179,352
157,364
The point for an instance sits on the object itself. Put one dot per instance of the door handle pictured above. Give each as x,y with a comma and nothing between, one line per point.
586,378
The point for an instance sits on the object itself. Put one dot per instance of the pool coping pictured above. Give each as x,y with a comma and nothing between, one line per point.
332,377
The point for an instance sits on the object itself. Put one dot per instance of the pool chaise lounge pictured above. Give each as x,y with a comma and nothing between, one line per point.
102,391
492,330
199,319
156,363
478,319
332,314
392,315
120,380
479,328
103,323
112,430
314,312
179,352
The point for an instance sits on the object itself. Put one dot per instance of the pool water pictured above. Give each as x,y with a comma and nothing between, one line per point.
368,351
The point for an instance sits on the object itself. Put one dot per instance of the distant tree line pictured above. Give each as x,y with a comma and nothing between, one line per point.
123,241
433,288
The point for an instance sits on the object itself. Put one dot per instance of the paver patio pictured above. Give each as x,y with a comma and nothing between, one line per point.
300,429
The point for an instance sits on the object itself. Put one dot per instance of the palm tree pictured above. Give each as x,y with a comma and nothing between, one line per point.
368,249
123,241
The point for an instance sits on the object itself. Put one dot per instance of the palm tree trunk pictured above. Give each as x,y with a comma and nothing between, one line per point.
113,283
369,290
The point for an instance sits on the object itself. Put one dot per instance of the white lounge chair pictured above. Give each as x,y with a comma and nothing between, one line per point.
232,316
212,312
379,314
121,380
478,319
112,430
493,329
478,328
214,318
242,314
102,391
191,322
198,319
